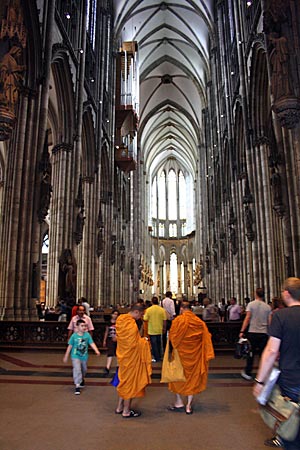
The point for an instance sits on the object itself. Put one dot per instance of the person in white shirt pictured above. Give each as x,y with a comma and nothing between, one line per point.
86,305
234,310
169,307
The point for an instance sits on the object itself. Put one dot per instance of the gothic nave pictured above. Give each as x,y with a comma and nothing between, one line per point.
147,146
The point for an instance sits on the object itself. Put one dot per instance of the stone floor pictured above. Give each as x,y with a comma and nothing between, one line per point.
39,410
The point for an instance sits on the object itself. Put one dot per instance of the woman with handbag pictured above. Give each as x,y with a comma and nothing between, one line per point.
284,340
190,337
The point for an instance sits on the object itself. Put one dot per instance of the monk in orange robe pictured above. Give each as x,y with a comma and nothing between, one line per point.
134,359
190,336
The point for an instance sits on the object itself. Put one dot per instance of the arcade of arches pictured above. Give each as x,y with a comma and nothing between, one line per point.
147,146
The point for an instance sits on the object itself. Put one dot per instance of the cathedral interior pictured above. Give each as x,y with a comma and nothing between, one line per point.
147,146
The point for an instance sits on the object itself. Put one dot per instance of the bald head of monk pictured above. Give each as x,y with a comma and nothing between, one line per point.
137,310
185,305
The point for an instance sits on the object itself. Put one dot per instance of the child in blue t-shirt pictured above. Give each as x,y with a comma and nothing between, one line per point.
78,347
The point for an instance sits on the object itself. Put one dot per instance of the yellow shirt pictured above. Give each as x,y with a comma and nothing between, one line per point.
155,316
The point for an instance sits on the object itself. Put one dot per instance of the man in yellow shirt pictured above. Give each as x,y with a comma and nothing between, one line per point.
156,318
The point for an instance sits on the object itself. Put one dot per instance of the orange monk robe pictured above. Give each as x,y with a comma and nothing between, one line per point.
134,359
190,336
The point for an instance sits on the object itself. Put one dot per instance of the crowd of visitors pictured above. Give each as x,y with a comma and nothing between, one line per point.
273,330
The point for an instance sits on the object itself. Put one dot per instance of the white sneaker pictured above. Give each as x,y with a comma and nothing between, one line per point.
245,376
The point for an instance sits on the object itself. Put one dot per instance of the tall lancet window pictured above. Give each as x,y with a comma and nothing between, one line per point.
162,196
182,276
171,190
173,273
172,195
153,273
154,199
182,196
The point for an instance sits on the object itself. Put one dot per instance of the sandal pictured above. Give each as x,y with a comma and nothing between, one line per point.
190,411
132,414
118,412
175,408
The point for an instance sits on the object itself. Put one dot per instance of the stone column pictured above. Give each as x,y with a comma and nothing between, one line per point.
105,274
185,287
86,287
18,217
62,213
162,280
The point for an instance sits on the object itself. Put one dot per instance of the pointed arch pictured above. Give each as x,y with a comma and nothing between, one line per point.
63,96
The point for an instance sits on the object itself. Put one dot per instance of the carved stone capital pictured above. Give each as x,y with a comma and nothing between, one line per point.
250,235
259,38
59,47
287,110
87,179
279,210
262,140
7,122
62,147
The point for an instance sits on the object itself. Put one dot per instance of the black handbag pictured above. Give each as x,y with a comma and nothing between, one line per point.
243,349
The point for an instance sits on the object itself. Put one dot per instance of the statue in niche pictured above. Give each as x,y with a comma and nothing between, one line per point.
275,158
45,186
207,260
188,281
131,270
113,251
232,240
122,261
67,277
275,14
100,242
207,264
276,188
198,274
288,266
158,278
11,76
249,223
215,257
222,246
35,278
79,226
45,195
248,218
279,60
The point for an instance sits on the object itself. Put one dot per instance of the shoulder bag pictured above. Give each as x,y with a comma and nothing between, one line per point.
172,369
281,415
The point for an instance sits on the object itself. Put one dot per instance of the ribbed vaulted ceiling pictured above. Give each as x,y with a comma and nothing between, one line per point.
173,40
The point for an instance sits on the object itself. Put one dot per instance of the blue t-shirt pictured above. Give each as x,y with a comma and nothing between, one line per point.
80,345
